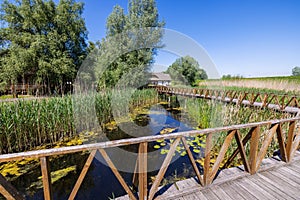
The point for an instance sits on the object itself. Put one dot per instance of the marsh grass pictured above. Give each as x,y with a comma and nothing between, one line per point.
25,125
276,85
210,114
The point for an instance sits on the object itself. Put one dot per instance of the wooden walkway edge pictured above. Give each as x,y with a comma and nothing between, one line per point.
275,180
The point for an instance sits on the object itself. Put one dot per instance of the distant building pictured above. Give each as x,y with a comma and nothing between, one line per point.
160,78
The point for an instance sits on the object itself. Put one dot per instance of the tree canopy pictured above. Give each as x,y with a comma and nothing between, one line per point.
130,44
296,71
43,41
186,70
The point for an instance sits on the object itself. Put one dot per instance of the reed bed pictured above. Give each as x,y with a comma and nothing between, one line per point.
209,114
277,85
25,125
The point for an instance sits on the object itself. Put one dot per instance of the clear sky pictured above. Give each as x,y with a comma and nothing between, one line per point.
245,37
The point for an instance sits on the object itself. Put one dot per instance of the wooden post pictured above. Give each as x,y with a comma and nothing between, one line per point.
46,178
290,139
142,165
206,167
253,149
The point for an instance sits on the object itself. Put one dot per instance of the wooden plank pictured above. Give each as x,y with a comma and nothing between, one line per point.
227,187
9,191
243,192
253,189
263,150
219,192
253,149
286,178
142,159
163,169
117,173
192,160
46,178
287,184
293,170
295,145
221,155
209,194
266,186
276,185
290,175
206,166
289,144
198,196
241,148
82,174
288,188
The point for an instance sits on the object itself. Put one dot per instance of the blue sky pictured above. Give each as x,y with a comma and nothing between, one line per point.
245,37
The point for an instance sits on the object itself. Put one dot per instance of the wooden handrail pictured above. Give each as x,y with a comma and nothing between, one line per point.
264,100
130,141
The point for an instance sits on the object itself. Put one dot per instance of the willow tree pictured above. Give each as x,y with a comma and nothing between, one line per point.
130,45
44,41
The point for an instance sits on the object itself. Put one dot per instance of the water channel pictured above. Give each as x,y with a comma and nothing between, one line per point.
100,182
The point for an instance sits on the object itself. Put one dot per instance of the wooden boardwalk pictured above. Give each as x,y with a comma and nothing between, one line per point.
283,103
275,180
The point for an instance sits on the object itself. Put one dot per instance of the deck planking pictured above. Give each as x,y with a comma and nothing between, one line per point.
275,180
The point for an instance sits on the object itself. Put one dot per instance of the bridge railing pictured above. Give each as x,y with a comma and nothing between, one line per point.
263,100
258,137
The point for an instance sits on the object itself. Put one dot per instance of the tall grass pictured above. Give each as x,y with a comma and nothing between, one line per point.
210,114
28,124
278,85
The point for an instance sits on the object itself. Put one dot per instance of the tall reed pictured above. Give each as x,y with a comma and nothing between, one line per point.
27,124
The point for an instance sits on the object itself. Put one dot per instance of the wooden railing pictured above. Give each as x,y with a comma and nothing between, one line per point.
287,138
264,100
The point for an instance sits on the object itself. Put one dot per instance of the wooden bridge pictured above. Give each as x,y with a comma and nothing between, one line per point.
287,103
250,141
287,138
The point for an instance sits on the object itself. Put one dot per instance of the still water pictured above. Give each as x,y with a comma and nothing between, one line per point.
100,182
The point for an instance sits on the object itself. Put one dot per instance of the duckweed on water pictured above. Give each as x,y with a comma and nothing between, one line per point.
55,176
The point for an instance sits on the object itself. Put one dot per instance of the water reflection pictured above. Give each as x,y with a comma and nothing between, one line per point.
100,182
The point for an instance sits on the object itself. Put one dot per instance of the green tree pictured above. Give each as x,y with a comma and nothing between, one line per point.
296,71
186,70
136,36
45,42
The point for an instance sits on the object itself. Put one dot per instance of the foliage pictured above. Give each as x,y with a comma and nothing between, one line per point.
42,41
296,71
186,70
130,44
228,76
